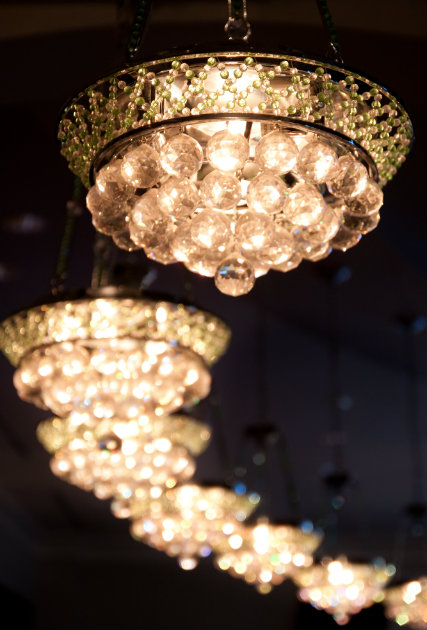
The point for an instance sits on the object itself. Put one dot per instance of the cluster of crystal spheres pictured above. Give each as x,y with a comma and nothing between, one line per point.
406,604
266,554
343,588
232,202
117,458
189,521
112,377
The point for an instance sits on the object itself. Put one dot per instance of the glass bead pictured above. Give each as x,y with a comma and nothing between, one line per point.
323,230
311,250
124,241
111,185
277,152
182,244
348,179
369,201
267,193
315,162
344,239
288,265
254,231
144,216
178,198
109,224
157,243
204,263
361,225
235,276
220,190
227,151
304,205
279,249
141,166
211,229
181,156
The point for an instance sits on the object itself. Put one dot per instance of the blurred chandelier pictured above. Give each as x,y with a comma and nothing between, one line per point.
108,355
115,458
407,604
343,588
266,554
235,161
188,521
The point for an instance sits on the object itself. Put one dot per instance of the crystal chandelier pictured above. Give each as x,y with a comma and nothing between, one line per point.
108,356
343,588
407,604
235,161
266,554
188,521
115,458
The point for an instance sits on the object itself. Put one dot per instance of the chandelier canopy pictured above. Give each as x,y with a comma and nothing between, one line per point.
235,162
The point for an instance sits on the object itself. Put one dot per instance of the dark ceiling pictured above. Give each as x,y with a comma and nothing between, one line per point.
66,563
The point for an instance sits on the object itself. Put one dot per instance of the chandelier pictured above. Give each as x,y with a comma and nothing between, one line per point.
112,356
115,458
188,521
266,554
235,161
407,604
343,588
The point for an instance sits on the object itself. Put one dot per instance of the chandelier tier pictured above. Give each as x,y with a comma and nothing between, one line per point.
407,604
114,458
188,521
113,356
343,588
266,553
235,163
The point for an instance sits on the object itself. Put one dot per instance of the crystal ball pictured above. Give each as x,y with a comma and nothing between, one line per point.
277,152
288,265
220,190
362,225
235,276
324,229
110,183
181,156
304,205
109,224
267,193
345,238
279,249
124,241
182,244
178,197
227,151
144,216
316,161
369,201
157,243
211,229
141,167
254,231
348,179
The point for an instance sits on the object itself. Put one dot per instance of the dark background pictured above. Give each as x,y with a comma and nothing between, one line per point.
65,562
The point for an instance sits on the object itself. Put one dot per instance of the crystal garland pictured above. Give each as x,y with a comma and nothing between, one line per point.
343,588
266,554
407,604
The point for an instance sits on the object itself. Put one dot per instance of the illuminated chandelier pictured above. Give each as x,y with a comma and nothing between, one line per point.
407,604
117,458
108,355
266,554
235,161
188,521
343,588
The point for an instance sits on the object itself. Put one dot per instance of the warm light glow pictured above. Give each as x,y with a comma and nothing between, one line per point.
267,554
342,588
407,604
